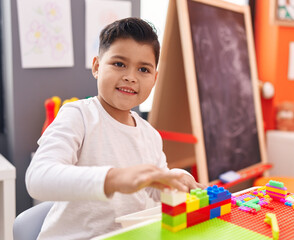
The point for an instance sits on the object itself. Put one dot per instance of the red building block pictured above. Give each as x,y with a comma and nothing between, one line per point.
173,211
219,204
201,215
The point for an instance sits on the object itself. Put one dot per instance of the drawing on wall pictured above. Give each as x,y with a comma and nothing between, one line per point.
282,12
99,13
45,32
285,9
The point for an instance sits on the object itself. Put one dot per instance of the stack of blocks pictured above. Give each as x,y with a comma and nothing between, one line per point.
276,190
182,210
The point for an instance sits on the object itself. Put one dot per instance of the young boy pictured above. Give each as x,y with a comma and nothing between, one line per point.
99,160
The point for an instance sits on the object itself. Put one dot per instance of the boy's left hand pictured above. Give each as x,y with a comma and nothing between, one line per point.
189,181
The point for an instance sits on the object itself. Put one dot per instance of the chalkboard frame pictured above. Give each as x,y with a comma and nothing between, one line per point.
181,66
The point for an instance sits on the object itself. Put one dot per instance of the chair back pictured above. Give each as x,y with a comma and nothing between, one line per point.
27,225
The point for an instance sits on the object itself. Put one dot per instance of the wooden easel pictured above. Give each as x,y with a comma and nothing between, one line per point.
176,104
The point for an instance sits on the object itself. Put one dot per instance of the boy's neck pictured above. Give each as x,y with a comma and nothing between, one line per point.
124,117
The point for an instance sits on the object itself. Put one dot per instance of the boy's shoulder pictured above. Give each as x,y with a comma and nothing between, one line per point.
85,107
81,103
140,119
144,123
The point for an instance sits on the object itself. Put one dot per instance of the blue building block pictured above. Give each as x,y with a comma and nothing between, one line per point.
215,212
217,194
289,204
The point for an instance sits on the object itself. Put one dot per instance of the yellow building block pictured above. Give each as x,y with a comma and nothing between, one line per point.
176,228
276,190
261,188
192,203
247,199
226,209
260,194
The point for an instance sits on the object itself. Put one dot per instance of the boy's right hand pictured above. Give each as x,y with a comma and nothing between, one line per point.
132,179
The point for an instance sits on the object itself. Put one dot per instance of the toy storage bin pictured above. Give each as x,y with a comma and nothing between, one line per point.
280,152
138,217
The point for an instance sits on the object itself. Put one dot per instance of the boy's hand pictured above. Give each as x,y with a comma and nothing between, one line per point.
190,182
132,179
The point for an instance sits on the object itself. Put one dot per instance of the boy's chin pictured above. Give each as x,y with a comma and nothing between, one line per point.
125,106
124,109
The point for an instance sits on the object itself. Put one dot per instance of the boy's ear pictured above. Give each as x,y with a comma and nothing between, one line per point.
95,66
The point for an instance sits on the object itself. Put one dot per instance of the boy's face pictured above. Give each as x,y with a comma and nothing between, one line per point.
126,74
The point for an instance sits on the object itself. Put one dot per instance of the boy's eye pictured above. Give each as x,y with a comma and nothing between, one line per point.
119,64
143,69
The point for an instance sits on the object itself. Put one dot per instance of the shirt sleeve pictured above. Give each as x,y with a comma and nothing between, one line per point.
53,174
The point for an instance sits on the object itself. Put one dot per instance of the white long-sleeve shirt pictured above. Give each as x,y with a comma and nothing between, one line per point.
69,167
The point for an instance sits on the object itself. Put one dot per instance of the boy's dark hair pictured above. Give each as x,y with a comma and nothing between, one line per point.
132,27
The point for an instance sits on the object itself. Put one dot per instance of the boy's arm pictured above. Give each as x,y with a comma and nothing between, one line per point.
132,179
53,174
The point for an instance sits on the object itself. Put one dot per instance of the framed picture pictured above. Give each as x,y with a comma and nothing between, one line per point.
282,12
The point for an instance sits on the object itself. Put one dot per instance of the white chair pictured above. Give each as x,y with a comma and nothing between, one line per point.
27,225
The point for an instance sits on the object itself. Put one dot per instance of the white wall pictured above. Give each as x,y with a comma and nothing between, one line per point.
153,11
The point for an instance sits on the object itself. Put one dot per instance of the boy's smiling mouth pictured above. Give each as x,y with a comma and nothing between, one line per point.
126,90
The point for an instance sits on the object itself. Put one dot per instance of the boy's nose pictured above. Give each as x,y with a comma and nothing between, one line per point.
130,77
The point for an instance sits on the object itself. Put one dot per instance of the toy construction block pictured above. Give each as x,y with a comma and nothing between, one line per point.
276,190
181,210
198,216
253,203
173,197
192,203
226,208
217,194
173,210
270,218
202,196
290,198
174,216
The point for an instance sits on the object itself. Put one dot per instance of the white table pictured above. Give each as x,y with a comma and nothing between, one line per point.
7,198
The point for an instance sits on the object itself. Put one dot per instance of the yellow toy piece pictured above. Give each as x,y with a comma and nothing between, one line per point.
271,219
226,209
57,101
192,203
176,228
70,100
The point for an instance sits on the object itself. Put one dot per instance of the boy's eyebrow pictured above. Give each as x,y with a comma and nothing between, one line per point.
125,59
